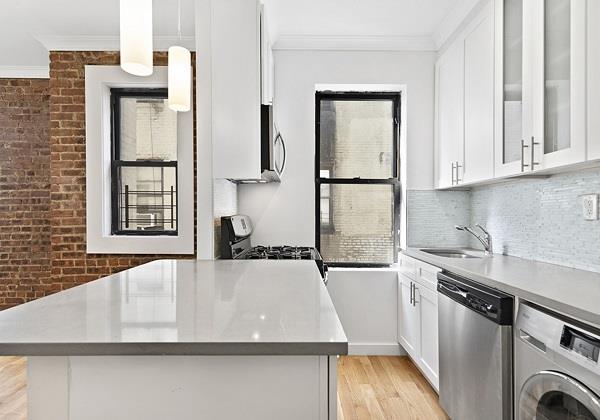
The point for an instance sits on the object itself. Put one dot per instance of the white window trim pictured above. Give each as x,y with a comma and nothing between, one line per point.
98,82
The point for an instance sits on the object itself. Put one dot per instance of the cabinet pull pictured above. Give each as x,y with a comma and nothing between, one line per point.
533,144
457,178
523,164
415,301
411,292
452,172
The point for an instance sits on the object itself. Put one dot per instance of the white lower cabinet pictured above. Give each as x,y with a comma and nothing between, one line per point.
418,318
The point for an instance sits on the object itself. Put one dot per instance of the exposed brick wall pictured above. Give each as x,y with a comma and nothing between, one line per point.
70,265
24,190
42,182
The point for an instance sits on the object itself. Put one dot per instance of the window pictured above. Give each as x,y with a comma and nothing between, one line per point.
144,163
356,177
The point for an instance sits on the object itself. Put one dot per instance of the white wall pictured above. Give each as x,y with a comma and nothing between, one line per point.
284,213
366,302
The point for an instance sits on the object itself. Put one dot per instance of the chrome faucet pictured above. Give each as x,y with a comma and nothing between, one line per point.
485,239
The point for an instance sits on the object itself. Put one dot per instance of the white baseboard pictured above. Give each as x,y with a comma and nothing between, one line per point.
375,349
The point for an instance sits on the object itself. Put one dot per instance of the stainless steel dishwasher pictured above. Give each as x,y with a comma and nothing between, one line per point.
475,339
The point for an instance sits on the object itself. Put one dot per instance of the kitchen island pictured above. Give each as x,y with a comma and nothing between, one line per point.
182,339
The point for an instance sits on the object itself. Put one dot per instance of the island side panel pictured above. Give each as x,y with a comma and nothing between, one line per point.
183,387
48,388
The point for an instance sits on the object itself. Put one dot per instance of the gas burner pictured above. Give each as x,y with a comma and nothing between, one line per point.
284,252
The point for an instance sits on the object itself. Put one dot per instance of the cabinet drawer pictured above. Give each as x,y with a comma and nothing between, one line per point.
426,275
407,266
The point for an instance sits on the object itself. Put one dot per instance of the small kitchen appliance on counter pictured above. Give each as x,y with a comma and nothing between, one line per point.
236,244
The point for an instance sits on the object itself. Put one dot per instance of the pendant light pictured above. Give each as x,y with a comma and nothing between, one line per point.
136,36
180,73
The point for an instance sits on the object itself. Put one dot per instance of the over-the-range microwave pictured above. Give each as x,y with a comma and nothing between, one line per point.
273,152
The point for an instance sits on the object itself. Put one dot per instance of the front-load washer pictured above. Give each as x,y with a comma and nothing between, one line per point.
557,374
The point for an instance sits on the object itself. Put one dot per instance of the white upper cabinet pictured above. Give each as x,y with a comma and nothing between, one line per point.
267,68
593,82
558,68
449,116
543,57
240,84
479,97
465,105
512,111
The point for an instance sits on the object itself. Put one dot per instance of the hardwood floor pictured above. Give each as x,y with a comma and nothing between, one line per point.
369,387
384,387
13,390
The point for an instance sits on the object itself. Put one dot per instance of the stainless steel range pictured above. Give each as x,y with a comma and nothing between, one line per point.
236,244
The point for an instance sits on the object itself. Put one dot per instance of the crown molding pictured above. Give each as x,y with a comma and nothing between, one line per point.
106,43
354,43
455,20
24,72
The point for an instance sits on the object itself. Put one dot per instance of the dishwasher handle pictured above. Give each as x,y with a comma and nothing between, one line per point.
452,290
491,303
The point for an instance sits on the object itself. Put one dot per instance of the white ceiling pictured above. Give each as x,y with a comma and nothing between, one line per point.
22,22
357,17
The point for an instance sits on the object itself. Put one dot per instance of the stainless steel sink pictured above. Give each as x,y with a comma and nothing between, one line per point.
451,253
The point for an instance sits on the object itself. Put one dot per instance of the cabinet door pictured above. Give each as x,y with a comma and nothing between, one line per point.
512,100
236,94
429,354
479,97
593,82
449,115
266,61
558,82
408,318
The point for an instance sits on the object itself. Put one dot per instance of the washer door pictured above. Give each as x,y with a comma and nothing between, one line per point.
555,396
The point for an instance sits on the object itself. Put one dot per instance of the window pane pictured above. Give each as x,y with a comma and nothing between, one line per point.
148,130
147,198
357,138
361,224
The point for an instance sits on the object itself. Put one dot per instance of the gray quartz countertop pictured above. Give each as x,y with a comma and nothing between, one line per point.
183,307
567,290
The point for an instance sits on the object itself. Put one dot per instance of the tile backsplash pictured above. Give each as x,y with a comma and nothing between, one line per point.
542,219
225,203
432,215
538,219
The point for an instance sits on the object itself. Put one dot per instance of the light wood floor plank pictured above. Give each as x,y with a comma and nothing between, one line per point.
384,387
13,389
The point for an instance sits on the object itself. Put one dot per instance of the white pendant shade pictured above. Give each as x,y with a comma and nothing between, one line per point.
136,37
180,79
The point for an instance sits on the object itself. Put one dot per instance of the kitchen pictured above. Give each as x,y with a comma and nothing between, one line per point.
438,161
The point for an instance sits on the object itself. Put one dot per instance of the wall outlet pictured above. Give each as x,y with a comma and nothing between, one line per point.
590,206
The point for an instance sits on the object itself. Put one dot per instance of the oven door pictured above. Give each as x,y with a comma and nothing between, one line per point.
550,395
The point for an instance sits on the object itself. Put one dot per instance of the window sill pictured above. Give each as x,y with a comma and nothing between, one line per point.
141,245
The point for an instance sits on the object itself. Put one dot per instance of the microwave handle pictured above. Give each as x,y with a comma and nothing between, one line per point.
280,138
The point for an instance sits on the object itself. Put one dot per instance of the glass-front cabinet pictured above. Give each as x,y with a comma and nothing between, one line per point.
558,83
541,84
512,101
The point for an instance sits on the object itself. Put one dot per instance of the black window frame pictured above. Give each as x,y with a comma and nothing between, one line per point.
116,163
394,181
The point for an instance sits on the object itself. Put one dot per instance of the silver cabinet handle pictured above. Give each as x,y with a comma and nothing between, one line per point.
411,292
415,301
533,144
457,178
523,164
452,172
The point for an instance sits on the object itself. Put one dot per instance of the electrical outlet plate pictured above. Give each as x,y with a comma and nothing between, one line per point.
590,206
